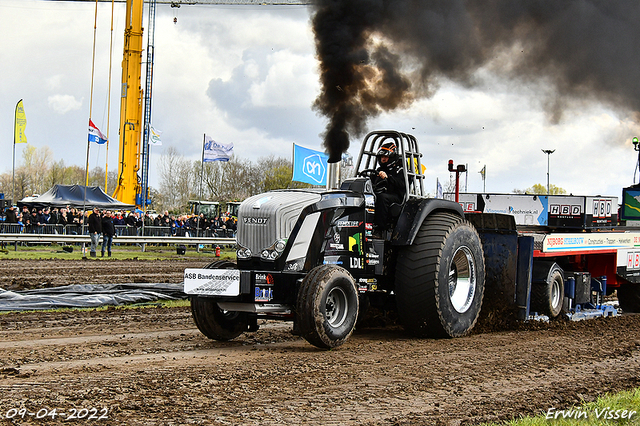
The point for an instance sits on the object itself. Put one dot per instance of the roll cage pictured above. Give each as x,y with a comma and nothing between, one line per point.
409,153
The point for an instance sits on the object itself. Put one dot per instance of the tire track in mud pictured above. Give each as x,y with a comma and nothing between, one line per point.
152,365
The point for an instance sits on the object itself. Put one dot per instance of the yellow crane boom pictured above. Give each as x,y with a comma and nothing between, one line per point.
129,189
130,106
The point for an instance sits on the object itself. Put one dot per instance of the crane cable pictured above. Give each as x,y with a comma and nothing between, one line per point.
86,170
93,64
106,167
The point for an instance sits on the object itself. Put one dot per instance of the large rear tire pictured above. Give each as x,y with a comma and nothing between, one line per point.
439,280
629,298
327,306
547,289
212,321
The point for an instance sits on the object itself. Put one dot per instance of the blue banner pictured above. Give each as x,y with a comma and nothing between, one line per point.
309,166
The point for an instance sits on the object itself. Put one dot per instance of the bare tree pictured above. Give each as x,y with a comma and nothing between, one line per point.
276,173
176,177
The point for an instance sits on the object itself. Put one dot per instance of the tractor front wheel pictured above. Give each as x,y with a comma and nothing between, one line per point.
327,306
212,321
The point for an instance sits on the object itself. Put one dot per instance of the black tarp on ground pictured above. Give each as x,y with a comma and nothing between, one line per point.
88,296
74,196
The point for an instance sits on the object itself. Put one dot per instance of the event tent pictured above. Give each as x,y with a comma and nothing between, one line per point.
74,196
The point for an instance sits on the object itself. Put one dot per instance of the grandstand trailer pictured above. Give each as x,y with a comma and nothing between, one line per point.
311,257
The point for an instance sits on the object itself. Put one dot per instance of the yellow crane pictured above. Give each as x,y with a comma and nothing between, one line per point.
135,120
129,155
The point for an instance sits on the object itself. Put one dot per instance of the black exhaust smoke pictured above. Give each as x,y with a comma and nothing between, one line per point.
380,55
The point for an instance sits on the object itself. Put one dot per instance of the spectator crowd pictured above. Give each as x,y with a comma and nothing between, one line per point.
124,223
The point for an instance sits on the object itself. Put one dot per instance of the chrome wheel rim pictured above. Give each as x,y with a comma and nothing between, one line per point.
336,307
462,280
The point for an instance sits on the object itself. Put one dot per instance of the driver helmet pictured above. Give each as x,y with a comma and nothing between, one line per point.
388,149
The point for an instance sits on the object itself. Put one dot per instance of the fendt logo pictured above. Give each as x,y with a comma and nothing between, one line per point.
313,167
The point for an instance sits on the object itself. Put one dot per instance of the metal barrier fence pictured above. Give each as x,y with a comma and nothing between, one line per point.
121,230
135,240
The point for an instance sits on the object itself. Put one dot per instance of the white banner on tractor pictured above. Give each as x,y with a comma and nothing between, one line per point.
212,282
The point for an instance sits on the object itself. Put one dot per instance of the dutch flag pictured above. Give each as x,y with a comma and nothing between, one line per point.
95,135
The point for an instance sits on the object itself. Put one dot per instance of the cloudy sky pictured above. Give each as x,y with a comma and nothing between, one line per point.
248,75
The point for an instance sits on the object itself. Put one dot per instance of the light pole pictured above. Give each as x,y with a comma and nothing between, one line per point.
636,147
548,152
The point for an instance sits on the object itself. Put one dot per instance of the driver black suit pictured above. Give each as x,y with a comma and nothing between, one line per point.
389,185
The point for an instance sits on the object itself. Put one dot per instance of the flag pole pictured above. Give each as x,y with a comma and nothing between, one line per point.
293,162
86,169
13,179
204,138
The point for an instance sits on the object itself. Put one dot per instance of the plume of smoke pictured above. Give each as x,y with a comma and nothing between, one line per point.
379,55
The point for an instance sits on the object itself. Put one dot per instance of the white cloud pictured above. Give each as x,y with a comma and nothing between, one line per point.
54,82
290,82
62,104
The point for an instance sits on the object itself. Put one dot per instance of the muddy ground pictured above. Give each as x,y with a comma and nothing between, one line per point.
151,366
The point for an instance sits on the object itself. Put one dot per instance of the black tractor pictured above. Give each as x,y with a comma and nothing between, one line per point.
312,257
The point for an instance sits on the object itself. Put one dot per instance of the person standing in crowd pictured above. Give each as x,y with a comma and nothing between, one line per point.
32,221
11,216
230,226
46,215
42,219
54,216
95,229
108,231
62,217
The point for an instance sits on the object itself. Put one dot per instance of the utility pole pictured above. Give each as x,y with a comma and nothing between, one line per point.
636,147
548,152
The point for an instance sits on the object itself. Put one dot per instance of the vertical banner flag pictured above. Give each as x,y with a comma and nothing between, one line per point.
309,166
216,151
154,138
95,135
439,193
20,124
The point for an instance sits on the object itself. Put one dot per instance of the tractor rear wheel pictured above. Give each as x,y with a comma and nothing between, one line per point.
327,306
212,321
439,281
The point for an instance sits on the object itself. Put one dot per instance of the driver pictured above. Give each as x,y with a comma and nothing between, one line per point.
389,185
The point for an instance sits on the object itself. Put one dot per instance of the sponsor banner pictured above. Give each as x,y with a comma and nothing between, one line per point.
309,166
212,282
589,241
348,223
216,151
264,287
527,209
154,137
630,204
633,260
20,124
367,284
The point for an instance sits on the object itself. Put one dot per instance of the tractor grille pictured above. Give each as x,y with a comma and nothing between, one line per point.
263,219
